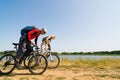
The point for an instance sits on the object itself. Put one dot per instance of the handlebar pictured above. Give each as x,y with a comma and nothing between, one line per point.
34,46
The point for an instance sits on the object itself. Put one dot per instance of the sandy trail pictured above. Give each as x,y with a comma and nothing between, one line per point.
66,74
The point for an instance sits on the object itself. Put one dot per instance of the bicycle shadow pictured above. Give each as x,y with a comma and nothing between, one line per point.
21,71
15,74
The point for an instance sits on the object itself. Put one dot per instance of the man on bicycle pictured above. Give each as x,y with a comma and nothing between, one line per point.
27,34
45,45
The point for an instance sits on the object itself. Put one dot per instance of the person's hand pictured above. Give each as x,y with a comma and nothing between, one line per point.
49,49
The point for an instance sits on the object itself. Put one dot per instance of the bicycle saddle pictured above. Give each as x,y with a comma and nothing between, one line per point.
15,44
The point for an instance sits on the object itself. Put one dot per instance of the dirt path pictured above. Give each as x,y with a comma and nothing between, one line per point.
66,74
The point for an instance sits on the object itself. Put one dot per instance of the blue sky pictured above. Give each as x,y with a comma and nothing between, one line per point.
80,25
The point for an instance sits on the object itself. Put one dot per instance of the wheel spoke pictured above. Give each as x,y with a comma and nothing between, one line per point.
7,64
37,65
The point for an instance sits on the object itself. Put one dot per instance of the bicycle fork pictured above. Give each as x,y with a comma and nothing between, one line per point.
37,59
51,58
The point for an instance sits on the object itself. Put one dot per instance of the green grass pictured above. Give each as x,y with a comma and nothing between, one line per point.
84,63
60,78
111,76
6,78
24,78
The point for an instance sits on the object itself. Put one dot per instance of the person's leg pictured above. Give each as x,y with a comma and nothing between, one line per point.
42,49
20,51
29,48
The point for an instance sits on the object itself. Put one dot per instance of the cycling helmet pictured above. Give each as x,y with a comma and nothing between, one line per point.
44,29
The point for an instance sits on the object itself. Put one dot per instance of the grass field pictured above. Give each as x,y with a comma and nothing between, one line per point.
79,69
100,63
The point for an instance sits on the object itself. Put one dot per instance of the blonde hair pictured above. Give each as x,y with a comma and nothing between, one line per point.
53,36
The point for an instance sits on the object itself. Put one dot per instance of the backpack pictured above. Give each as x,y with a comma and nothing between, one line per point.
25,30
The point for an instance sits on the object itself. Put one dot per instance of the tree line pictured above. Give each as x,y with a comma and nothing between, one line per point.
93,53
78,53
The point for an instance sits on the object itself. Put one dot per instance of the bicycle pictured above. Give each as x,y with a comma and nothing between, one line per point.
52,58
35,65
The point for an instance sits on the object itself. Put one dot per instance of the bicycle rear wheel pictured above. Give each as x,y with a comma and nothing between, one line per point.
38,64
7,64
53,61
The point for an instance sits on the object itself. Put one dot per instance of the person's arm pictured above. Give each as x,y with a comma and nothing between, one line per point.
49,46
36,39
48,42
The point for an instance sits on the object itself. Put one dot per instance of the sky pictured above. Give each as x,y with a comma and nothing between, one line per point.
79,25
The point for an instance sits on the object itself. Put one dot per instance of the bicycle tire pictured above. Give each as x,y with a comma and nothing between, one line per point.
26,61
33,65
7,64
53,63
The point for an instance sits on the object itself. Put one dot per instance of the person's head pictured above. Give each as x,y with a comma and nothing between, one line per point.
43,31
53,36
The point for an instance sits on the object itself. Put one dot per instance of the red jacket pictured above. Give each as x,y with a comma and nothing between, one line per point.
33,34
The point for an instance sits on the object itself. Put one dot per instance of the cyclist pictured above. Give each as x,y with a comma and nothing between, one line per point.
27,34
45,45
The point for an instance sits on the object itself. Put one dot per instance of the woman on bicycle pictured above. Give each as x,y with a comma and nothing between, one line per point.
45,45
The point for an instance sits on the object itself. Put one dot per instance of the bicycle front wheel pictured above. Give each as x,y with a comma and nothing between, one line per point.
53,61
26,61
38,64
7,64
